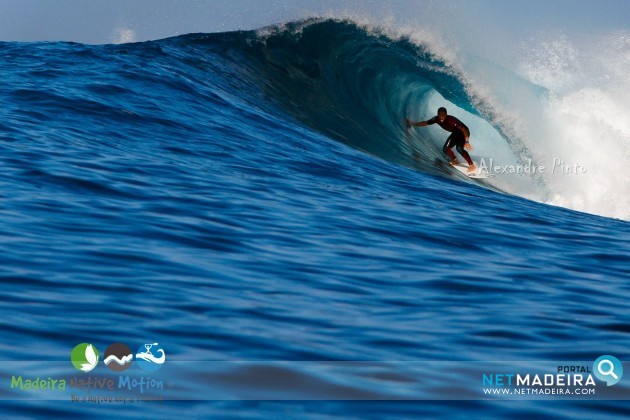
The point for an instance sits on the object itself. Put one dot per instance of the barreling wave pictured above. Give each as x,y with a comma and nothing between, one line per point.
356,84
352,83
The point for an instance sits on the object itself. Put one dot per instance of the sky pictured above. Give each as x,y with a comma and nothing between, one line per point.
111,21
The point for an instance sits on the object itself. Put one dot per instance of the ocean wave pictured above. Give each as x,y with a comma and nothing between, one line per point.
351,82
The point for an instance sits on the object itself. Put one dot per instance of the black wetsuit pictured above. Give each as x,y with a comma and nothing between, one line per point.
456,138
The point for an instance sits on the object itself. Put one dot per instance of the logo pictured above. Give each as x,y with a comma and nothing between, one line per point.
146,358
84,357
608,369
118,357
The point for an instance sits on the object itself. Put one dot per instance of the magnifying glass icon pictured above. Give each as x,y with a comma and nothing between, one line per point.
610,371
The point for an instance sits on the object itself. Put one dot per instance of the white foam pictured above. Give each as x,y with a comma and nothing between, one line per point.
587,123
571,113
124,36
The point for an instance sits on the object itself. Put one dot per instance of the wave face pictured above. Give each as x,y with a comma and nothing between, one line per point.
254,196
356,84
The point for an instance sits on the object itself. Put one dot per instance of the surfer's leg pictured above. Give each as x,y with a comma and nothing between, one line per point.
447,149
460,141
464,153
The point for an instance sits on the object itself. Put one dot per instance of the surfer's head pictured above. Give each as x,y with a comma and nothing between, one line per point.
441,114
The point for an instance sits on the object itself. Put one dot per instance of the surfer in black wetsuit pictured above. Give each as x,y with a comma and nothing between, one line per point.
459,137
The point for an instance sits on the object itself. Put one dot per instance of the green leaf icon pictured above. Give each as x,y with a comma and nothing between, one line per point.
84,357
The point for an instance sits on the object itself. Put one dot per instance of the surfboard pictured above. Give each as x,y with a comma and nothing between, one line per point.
478,173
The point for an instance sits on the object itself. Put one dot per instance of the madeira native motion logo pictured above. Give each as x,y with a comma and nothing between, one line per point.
84,357
118,357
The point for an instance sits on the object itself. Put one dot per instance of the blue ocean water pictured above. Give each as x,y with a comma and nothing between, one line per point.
254,196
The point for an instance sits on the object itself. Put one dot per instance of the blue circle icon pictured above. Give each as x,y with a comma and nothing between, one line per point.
608,369
150,357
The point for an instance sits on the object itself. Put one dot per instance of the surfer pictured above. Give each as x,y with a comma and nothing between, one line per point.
459,137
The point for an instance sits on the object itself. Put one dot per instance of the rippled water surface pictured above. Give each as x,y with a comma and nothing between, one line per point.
167,192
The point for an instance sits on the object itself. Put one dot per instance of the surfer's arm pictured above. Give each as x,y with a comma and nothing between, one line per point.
416,124
466,132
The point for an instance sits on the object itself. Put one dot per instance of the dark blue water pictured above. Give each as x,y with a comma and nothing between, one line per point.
252,197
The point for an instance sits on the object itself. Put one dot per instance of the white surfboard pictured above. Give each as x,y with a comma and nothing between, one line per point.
477,173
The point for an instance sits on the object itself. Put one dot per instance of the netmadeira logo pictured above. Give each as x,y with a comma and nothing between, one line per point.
577,379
